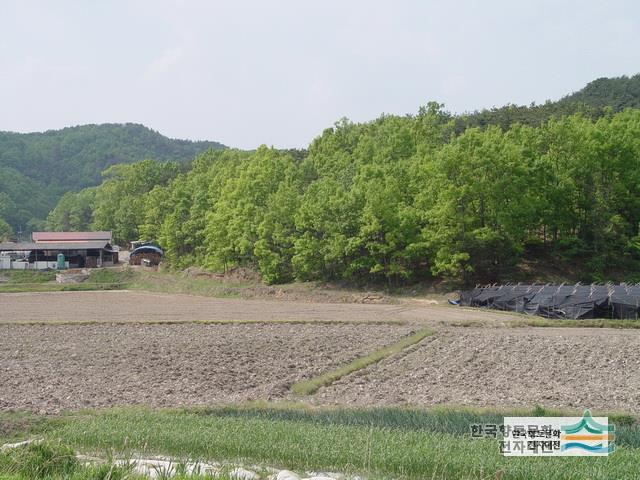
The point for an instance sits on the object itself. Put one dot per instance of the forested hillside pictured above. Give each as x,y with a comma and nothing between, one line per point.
618,93
36,169
398,199
593,101
401,198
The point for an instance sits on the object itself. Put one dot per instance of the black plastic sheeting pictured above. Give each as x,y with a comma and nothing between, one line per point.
559,301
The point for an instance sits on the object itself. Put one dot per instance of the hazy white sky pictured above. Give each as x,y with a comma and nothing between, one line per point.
247,72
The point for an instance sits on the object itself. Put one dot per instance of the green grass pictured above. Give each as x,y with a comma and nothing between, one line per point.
169,282
514,319
53,461
589,323
39,461
115,279
450,420
27,276
44,281
377,443
309,387
15,425
103,275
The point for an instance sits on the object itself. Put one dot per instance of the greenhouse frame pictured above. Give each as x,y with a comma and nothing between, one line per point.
558,301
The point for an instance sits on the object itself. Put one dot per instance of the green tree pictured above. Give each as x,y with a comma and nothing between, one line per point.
74,212
6,232
119,202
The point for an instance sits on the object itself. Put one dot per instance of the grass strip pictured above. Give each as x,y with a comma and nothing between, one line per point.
585,323
524,320
311,386
59,287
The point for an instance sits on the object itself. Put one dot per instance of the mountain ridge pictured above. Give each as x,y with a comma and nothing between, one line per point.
72,158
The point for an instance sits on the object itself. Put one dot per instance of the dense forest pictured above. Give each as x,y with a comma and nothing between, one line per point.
36,169
397,200
593,101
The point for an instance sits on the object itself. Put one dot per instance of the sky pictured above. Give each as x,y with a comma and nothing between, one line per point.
252,72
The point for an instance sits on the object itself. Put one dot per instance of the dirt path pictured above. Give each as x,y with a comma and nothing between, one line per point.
129,306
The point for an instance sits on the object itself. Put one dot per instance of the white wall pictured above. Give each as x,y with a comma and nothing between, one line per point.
6,264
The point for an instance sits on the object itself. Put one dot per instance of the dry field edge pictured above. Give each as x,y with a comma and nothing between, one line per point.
206,322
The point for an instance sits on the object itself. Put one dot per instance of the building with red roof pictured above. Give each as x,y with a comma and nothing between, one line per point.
42,237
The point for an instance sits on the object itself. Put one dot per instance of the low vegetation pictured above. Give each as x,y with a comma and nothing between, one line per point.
377,443
22,277
52,461
311,386
589,323
16,281
175,282
39,461
210,285
517,320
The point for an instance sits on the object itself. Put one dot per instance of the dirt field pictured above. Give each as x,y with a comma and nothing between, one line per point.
120,360
53,367
505,367
122,306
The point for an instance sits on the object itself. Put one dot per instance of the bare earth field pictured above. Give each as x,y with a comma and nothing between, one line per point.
504,367
53,367
63,362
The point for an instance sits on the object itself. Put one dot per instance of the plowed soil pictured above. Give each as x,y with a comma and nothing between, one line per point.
504,367
68,350
48,368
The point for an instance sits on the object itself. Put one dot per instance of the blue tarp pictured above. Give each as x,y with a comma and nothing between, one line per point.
147,249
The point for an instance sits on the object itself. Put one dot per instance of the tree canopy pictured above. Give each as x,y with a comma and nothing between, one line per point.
596,99
396,200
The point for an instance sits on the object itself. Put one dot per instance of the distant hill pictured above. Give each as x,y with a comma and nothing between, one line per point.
36,169
615,93
618,93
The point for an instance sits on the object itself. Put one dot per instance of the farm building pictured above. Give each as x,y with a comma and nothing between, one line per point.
40,237
50,249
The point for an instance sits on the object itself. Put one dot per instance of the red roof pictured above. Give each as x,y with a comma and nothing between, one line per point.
70,236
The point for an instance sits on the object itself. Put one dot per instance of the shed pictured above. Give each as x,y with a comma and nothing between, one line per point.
41,237
42,255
